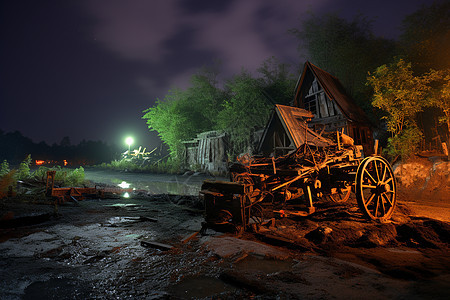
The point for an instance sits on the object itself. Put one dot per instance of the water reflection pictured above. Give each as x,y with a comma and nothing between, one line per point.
153,183
124,185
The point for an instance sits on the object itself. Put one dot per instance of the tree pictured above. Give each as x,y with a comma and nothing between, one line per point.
181,115
244,112
347,50
277,82
401,94
65,142
440,95
426,37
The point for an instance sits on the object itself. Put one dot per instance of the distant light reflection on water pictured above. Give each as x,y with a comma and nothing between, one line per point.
152,183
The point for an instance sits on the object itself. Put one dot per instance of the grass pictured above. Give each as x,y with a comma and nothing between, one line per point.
63,176
170,166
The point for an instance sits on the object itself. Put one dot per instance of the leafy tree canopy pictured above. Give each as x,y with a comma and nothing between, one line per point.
244,111
240,107
426,37
183,114
440,94
399,93
348,50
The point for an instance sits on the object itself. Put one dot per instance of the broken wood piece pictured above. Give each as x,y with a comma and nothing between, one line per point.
142,218
185,240
281,241
156,245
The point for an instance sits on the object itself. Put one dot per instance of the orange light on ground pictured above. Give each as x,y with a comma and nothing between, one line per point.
65,162
39,162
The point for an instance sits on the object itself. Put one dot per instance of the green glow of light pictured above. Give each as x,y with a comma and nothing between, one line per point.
129,140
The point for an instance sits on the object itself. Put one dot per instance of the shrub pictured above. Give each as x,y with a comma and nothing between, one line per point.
63,177
4,168
404,144
6,181
24,168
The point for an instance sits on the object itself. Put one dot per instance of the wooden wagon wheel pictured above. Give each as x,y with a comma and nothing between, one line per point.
342,195
376,188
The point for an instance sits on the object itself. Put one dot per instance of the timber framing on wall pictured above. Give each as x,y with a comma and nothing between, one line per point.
321,93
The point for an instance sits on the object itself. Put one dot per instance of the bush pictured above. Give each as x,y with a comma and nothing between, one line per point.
4,168
24,168
170,166
74,177
404,144
63,177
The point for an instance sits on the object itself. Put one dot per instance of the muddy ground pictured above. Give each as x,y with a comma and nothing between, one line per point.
139,248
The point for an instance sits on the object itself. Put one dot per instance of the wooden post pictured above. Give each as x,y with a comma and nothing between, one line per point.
445,149
375,147
338,141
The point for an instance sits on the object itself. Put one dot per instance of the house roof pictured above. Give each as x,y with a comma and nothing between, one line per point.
334,90
292,119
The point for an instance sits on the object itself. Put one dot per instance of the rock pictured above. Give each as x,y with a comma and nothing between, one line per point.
319,235
230,246
380,235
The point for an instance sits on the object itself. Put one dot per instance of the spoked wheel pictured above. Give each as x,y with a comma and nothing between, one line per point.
376,188
342,194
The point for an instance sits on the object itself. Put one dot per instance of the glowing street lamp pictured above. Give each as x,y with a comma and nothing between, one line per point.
129,140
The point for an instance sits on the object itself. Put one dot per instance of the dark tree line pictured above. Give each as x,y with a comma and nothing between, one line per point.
14,147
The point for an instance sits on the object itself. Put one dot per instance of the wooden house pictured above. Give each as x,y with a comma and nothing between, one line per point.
287,130
322,94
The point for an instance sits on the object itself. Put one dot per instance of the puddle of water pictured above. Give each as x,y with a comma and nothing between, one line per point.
267,266
123,205
56,288
153,183
199,287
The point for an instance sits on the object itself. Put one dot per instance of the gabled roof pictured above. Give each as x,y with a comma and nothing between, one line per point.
334,90
293,122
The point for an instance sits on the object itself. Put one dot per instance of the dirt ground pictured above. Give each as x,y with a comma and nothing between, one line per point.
140,248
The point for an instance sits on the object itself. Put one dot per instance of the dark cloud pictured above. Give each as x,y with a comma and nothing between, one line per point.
201,6
87,69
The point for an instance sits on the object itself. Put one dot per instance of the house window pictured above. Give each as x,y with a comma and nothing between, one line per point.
317,102
311,104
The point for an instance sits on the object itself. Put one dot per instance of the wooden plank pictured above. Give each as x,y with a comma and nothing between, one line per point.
156,245
225,187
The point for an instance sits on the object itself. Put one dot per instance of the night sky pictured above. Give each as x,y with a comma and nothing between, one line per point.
87,69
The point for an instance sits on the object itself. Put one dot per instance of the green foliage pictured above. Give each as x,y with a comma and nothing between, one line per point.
184,114
426,37
171,166
7,182
244,112
75,177
404,144
240,108
23,171
4,168
63,176
399,93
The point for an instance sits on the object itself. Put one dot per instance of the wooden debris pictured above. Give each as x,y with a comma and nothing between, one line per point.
156,245
187,239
